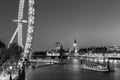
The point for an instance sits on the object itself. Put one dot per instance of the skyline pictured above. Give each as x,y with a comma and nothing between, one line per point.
91,22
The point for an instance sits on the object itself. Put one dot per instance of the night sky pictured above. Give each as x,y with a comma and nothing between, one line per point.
91,22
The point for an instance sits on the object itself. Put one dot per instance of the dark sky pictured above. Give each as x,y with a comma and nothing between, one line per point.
91,22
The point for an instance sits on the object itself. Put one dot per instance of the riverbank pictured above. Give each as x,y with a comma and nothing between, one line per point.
7,76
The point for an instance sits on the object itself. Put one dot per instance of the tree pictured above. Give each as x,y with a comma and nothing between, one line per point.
15,52
2,49
2,44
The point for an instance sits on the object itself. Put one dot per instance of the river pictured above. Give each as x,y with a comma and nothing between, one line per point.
72,71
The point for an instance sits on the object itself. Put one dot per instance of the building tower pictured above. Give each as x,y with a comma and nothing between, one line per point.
75,46
58,46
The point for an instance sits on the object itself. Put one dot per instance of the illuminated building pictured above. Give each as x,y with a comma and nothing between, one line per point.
75,46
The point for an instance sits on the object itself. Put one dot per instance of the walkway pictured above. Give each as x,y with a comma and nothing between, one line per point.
6,77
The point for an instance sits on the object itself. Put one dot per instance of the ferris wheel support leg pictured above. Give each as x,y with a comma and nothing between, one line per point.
13,36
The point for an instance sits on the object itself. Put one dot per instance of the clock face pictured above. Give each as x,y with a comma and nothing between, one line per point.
74,44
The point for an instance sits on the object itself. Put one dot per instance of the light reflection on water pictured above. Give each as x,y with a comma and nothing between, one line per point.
117,74
72,71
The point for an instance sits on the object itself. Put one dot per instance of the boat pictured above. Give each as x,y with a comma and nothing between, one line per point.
88,65
95,68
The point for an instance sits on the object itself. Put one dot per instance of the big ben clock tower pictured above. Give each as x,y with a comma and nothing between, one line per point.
75,46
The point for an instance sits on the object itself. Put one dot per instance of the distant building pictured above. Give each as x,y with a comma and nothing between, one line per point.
75,46
58,46
56,51
114,48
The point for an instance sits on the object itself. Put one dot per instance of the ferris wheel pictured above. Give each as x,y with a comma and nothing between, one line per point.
30,27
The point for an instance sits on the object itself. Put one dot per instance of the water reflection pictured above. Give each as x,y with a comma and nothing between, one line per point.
117,74
72,71
76,65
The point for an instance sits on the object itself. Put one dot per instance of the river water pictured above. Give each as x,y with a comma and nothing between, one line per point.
72,71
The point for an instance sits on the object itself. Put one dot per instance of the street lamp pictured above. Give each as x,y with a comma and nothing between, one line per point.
10,68
20,66
10,72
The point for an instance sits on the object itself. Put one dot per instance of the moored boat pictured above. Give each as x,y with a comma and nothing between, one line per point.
95,68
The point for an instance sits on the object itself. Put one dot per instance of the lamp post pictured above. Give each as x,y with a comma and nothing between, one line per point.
20,65
23,71
10,72
4,72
